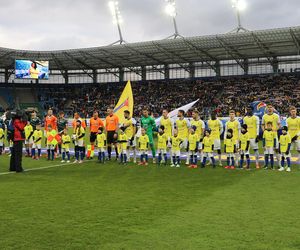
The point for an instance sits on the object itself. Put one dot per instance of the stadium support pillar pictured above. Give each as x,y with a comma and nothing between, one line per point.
246,67
192,70
275,65
6,76
167,72
66,76
121,75
218,68
144,73
95,76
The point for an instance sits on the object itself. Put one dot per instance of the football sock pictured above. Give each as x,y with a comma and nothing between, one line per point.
272,161
266,160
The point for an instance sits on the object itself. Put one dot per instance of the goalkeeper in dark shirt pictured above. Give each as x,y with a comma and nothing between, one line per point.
62,124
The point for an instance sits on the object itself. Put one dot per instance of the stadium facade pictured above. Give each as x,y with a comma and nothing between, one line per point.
247,53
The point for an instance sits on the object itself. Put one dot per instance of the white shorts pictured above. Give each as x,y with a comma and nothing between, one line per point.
184,143
269,151
50,146
79,143
285,155
101,150
161,151
208,155
200,146
143,152
244,152
193,152
37,146
176,153
217,144
237,143
229,155
29,141
132,144
253,144
1,143
296,145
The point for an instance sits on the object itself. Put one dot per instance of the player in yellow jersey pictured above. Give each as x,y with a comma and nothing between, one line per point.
143,147
176,142
293,124
285,149
130,131
2,135
216,128
37,142
270,116
230,148
123,141
182,125
208,148
167,123
162,141
200,127
78,138
192,148
101,144
233,124
65,145
244,145
252,122
28,138
269,144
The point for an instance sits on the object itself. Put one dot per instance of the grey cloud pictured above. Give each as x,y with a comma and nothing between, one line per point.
61,24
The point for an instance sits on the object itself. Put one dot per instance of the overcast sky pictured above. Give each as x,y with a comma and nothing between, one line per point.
61,24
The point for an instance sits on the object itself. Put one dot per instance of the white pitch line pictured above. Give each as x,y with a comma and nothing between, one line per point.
33,169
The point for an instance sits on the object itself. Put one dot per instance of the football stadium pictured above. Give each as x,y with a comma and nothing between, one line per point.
179,142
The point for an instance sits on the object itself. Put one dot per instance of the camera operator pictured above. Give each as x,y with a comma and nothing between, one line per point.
18,122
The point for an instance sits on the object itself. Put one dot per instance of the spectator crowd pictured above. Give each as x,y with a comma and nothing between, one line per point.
214,94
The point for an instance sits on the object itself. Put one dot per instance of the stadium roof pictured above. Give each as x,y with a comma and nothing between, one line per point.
231,46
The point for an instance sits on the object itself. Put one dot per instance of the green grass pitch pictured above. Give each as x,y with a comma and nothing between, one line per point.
110,206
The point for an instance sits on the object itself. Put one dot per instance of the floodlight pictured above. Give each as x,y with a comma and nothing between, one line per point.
171,8
172,12
117,18
239,4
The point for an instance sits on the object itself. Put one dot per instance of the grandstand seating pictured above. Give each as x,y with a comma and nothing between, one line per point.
220,94
6,98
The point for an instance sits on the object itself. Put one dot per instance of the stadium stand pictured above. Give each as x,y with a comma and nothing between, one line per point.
217,69
214,94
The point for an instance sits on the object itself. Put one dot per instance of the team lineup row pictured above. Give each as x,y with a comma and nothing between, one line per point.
199,141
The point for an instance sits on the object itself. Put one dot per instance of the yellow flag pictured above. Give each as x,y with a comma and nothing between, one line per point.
125,103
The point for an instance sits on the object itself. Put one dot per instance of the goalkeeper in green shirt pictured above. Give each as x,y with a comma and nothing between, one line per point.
148,123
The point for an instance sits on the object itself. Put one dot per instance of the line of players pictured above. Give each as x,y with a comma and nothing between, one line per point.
201,143
238,139
198,142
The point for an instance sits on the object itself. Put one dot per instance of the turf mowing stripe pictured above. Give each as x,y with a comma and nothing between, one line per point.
72,163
